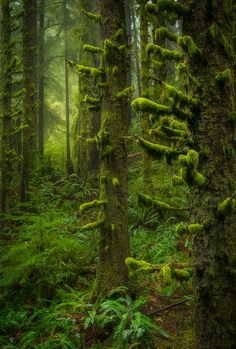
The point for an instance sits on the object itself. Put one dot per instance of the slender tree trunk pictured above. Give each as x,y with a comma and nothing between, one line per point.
7,149
69,164
114,241
214,249
41,76
30,113
135,47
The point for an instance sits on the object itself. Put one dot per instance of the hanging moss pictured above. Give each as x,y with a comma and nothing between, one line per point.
92,204
188,171
90,71
216,34
158,151
192,159
163,53
166,275
169,6
126,93
144,105
93,225
227,207
93,49
188,45
163,33
223,77
94,16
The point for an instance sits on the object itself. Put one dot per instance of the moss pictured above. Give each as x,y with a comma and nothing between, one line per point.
115,70
168,6
93,225
227,207
188,171
192,159
119,35
181,229
91,100
163,33
166,275
144,105
94,16
126,93
217,34
102,85
179,96
177,180
188,45
92,49
158,151
134,265
181,274
223,77
173,131
147,200
163,53
195,228
90,71
232,116
115,182
92,204
181,114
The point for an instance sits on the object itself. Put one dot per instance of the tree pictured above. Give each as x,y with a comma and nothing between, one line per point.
213,129
30,113
41,75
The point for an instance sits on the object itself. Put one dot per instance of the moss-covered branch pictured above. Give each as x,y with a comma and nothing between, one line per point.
147,200
145,105
94,16
163,53
188,45
158,151
189,173
93,225
92,49
92,204
191,229
169,6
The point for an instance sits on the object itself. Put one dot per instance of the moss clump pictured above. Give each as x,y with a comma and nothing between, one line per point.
181,274
177,180
166,275
227,207
162,207
93,49
188,172
181,229
158,151
92,204
179,96
135,265
144,105
94,16
167,6
181,114
126,93
173,131
90,71
91,100
115,182
223,77
195,228
93,225
163,53
163,33
188,45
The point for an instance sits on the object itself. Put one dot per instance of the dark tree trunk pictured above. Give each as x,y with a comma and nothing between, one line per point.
41,76
214,251
114,241
30,113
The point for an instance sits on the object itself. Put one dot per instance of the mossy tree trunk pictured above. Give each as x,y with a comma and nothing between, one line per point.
30,112
7,148
145,122
114,241
41,75
214,251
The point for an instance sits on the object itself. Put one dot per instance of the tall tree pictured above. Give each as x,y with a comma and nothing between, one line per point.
41,75
7,149
30,113
213,131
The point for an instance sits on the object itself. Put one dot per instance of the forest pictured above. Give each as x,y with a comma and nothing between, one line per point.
118,174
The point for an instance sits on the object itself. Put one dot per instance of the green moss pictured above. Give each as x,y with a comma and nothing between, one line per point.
166,275
94,16
181,114
199,179
126,93
91,100
147,200
181,229
92,204
181,274
173,131
188,45
144,105
177,180
115,70
192,159
93,49
115,182
188,170
163,53
93,225
163,33
179,96
223,77
90,71
137,265
226,207
195,228
158,151
168,6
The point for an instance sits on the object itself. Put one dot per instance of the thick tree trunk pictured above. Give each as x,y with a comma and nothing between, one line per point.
7,149
41,76
30,130
114,241
214,250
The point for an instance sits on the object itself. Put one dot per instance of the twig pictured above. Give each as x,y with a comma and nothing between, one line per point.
169,306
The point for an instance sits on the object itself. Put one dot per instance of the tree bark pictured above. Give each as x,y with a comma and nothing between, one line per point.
214,250
41,76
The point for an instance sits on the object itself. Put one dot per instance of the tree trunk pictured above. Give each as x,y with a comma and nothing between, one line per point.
214,250
7,149
30,113
114,240
41,76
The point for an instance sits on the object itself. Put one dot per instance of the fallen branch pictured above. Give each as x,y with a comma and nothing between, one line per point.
166,308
